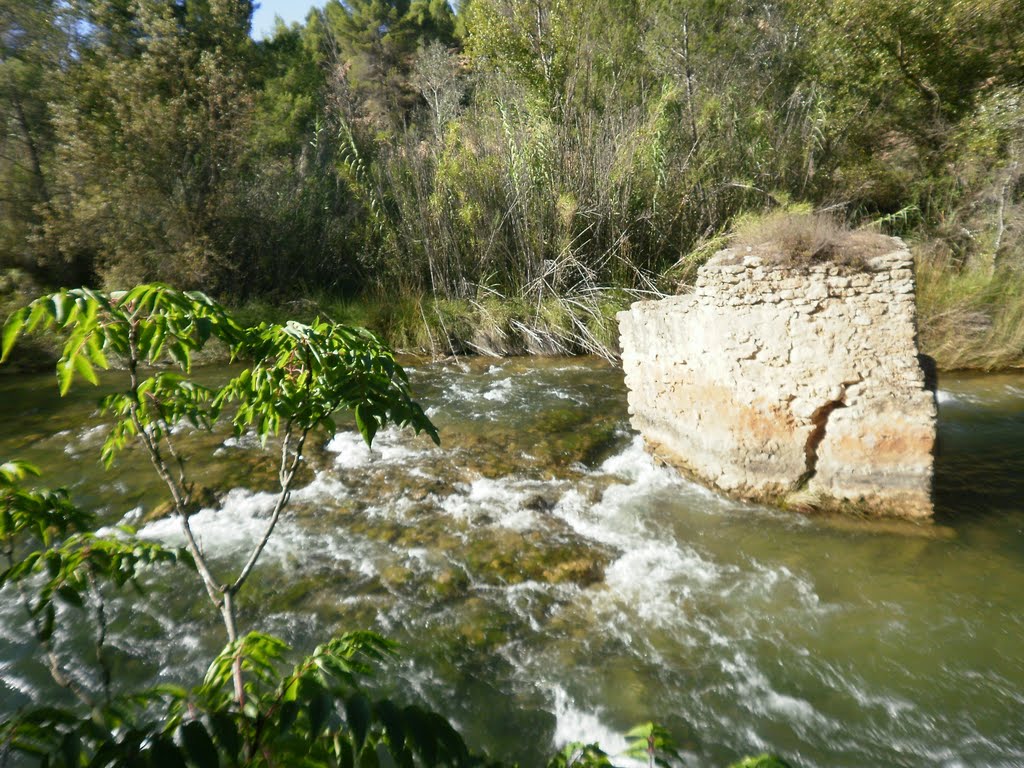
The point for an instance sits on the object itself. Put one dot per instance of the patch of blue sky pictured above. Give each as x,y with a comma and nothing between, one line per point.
263,19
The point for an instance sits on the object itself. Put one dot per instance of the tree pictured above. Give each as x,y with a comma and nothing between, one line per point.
377,40
436,74
312,713
298,377
533,42
46,539
35,44
150,140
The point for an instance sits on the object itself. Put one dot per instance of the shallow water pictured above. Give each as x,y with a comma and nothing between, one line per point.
548,582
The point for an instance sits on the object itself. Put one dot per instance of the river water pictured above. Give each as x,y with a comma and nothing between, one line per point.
549,583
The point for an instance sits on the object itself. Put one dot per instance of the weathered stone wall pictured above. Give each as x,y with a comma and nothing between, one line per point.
799,383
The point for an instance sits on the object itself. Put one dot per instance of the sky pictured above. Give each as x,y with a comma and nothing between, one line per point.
289,10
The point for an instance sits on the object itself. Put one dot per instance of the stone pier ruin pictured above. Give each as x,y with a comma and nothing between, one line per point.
793,384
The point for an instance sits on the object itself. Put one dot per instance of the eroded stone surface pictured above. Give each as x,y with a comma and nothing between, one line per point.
776,382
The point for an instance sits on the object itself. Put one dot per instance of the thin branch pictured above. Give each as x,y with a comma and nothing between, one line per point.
228,614
53,665
925,88
101,635
286,476
1001,230
166,428
178,494
689,78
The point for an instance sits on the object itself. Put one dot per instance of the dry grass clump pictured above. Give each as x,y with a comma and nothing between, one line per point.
807,238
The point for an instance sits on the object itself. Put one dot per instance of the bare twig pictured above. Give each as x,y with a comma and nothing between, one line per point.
53,664
101,635
1001,230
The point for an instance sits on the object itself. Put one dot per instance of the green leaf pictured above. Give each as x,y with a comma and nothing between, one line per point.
46,628
12,330
71,749
65,372
368,759
94,348
761,761
421,734
144,341
366,423
449,738
320,706
61,304
357,714
652,742
84,367
70,595
391,717
164,753
292,690
199,745
286,716
579,755
180,354
225,730
343,751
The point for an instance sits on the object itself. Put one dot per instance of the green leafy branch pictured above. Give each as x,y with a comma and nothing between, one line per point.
298,376
314,715
52,556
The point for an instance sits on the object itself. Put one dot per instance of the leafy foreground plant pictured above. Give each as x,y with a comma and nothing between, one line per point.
309,713
254,706
298,377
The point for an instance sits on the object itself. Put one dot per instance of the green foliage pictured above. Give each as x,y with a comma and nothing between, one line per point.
971,317
301,374
39,514
255,706
568,149
298,376
761,761
68,555
579,755
152,113
52,558
35,43
652,743
250,709
376,41
304,373
312,713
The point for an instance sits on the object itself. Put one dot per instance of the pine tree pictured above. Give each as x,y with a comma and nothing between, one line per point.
152,137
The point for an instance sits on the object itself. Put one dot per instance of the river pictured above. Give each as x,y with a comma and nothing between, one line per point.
548,582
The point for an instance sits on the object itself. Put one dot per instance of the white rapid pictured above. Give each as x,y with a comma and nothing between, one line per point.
549,583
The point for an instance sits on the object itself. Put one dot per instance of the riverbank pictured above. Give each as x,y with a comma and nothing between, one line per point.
492,325
967,321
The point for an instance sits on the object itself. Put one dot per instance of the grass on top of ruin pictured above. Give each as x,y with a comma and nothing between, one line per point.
793,238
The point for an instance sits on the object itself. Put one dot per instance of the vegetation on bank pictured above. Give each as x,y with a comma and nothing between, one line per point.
556,155
257,705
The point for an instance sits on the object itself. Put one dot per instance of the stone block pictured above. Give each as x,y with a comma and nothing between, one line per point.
744,389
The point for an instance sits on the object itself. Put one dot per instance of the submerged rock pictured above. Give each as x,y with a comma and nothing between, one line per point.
202,497
775,380
501,556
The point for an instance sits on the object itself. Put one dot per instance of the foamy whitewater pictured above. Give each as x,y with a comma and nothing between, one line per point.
740,629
